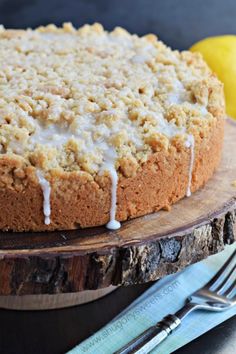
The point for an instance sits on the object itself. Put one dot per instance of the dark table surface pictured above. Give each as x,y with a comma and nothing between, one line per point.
179,24
57,331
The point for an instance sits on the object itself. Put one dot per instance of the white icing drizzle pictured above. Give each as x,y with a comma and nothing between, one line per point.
190,144
52,134
46,189
56,136
113,224
109,165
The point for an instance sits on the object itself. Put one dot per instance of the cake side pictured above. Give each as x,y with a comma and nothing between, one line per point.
98,126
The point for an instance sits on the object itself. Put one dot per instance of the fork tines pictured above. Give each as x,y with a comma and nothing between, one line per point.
224,282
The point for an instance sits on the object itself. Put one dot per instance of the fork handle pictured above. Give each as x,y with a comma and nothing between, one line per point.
150,338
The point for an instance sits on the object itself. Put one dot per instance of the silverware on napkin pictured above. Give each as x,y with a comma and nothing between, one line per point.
219,294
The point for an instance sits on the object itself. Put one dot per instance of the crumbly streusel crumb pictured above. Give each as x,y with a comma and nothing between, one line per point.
68,96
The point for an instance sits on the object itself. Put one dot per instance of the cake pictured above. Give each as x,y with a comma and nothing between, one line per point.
100,127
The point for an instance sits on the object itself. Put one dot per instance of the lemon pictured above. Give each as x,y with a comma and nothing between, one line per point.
220,54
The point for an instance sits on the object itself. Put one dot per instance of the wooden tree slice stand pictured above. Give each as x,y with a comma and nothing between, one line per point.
144,249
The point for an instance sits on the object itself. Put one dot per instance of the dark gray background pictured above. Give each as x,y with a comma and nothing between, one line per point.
177,22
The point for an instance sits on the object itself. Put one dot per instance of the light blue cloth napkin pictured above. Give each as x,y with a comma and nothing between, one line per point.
164,297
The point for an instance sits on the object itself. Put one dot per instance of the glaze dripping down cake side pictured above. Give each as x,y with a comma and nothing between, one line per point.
99,127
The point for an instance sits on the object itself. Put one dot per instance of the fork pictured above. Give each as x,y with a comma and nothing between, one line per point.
219,294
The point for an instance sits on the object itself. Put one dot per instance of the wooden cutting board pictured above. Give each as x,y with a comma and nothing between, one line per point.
143,249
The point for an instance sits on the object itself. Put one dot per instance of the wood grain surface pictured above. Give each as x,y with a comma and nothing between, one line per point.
143,249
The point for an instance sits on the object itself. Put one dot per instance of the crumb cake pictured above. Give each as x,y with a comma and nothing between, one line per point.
98,127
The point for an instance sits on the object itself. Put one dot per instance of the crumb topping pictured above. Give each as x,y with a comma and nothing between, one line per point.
68,98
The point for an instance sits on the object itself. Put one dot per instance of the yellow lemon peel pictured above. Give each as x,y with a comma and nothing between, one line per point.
220,54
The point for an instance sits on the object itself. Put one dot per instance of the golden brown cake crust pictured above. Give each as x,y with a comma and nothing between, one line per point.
79,201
